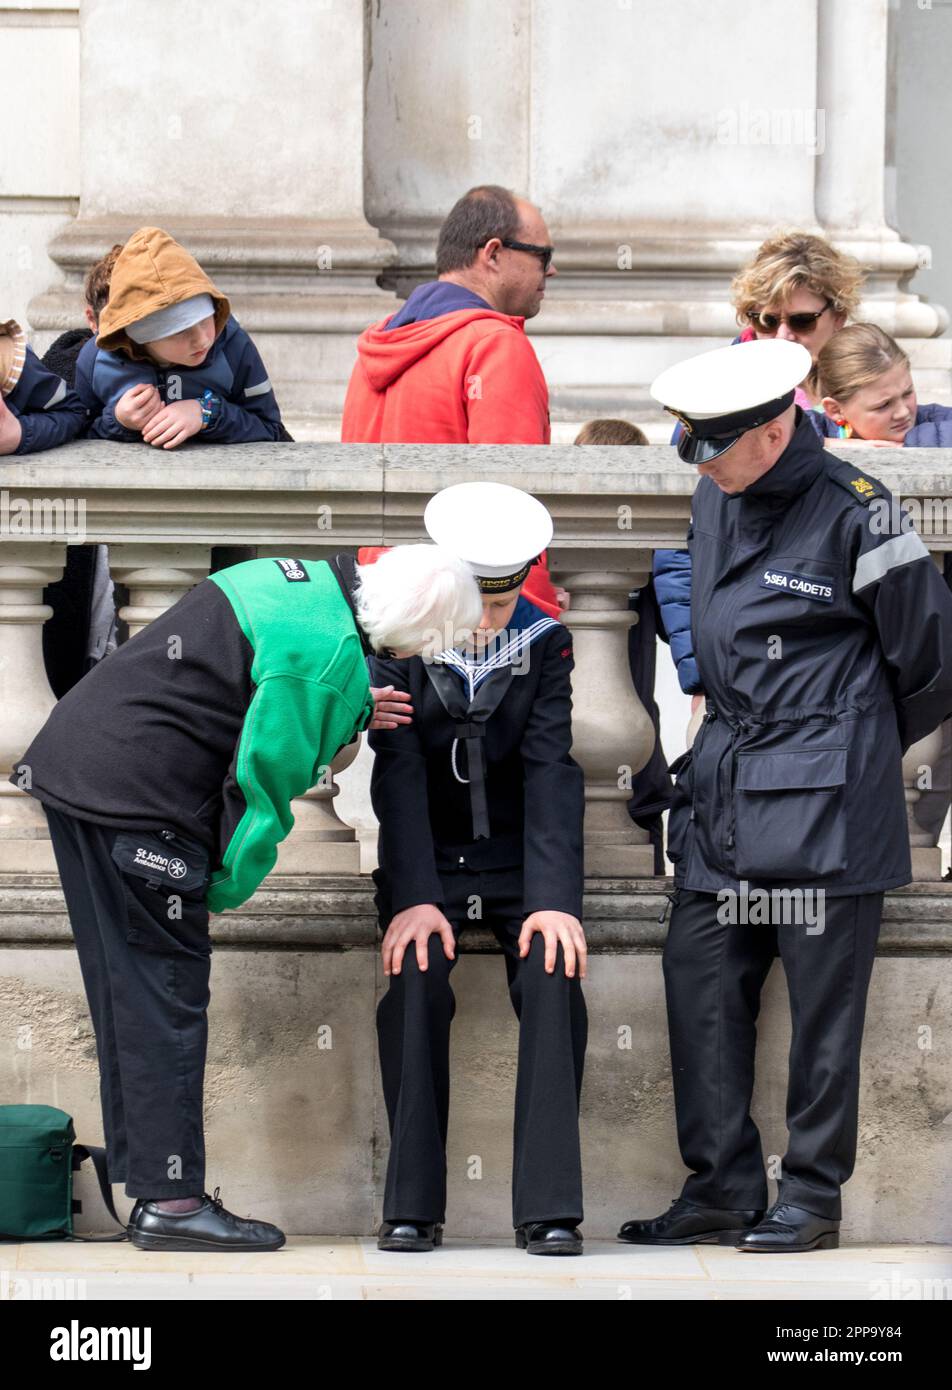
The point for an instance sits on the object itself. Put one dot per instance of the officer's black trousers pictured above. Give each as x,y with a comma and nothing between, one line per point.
413,1029
713,978
148,1002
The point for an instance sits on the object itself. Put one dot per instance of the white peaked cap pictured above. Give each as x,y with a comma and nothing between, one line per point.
733,378
495,528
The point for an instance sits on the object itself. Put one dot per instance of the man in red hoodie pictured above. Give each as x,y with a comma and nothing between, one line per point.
454,365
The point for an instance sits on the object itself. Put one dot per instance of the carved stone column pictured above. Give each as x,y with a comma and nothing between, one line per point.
25,695
612,733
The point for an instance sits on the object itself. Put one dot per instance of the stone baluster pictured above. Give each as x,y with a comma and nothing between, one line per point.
320,842
612,734
156,576
25,695
918,772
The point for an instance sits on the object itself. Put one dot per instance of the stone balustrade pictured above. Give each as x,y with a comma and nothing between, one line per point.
296,1128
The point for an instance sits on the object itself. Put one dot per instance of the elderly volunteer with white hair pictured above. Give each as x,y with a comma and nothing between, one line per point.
167,776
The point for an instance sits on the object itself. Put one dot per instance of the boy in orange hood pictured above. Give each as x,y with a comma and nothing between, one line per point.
171,362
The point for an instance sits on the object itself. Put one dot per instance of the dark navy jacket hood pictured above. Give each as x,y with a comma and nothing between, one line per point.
431,300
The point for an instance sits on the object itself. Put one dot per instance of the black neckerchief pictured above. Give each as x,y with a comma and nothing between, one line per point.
471,717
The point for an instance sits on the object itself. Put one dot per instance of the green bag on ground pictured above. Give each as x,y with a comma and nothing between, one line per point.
38,1156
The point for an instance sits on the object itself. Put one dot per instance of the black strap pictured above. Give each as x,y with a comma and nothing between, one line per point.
472,736
80,1153
474,715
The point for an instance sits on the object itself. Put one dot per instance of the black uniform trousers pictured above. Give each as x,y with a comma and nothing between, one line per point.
146,980
413,1029
713,976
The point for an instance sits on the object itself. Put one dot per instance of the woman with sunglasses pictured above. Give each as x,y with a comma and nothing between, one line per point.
868,396
797,286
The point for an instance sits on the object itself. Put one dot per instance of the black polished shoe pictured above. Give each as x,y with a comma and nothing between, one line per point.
209,1227
549,1238
786,1229
685,1224
409,1235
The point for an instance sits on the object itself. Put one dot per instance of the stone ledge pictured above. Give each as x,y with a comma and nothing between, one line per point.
336,913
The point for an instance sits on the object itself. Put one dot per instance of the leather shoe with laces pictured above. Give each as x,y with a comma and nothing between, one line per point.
409,1235
549,1238
686,1224
788,1229
209,1227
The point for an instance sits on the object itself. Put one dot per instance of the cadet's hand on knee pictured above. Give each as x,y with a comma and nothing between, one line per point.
557,927
416,924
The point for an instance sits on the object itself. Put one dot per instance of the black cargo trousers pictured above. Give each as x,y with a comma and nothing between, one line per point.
413,1029
714,971
136,904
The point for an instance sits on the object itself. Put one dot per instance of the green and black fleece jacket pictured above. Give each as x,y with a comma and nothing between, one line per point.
215,716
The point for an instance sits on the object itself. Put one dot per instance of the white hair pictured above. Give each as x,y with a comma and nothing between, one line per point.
419,599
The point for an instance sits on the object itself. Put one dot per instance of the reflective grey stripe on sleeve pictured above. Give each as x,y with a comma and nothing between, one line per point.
900,550
261,389
57,395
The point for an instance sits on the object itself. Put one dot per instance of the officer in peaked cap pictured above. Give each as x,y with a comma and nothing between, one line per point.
824,644
480,802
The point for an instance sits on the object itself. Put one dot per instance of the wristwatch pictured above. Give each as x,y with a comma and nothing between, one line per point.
211,408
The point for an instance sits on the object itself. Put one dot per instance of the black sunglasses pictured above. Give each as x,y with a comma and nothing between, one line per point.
545,253
800,323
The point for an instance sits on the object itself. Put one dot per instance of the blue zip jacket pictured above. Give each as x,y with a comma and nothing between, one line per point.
932,430
48,411
672,580
233,369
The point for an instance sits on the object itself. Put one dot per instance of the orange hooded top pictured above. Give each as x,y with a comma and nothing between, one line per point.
152,271
470,376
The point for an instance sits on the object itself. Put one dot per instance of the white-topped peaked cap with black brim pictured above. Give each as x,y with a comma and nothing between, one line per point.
497,529
720,395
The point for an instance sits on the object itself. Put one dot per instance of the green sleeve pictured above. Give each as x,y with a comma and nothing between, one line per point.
293,728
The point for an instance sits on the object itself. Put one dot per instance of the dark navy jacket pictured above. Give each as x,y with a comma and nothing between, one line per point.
672,568
932,430
48,411
824,642
535,791
233,369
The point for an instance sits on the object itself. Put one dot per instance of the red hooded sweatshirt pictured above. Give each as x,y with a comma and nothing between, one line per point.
466,377
469,376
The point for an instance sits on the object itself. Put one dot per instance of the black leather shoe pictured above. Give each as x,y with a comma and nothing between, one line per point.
685,1224
549,1238
789,1229
209,1227
409,1235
